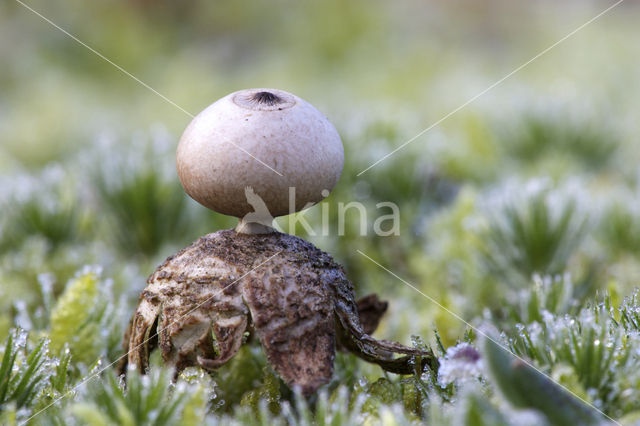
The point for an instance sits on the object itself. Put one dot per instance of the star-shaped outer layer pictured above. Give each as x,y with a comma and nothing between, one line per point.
202,301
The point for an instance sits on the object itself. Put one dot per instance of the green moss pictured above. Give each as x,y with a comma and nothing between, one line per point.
268,392
87,176
76,319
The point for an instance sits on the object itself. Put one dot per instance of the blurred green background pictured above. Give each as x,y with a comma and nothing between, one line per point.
537,176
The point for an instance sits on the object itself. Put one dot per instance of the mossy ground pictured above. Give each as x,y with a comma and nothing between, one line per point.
519,213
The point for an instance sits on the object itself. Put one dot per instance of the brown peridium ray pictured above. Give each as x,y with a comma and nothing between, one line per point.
201,303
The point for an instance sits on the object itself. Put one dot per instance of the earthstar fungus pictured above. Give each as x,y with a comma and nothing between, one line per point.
200,305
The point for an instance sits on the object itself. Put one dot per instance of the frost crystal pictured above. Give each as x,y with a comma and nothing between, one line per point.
461,363
22,318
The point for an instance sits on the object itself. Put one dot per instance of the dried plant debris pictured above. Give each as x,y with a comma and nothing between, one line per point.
201,304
